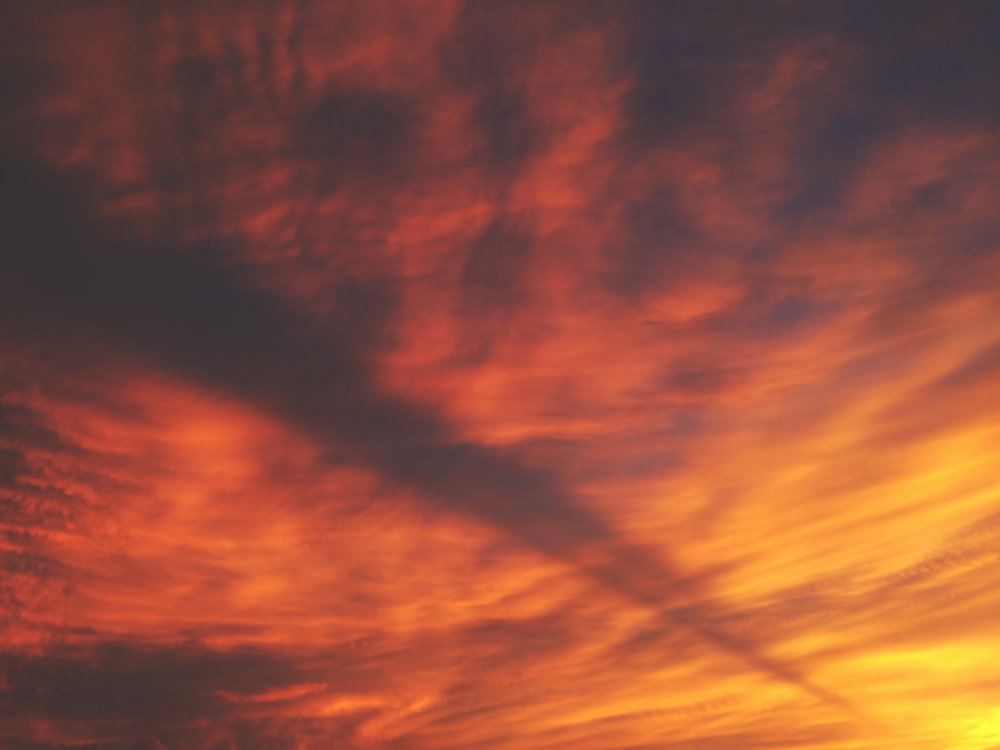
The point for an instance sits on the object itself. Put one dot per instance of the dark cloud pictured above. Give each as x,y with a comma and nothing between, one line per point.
120,683
300,283
919,61
510,138
663,245
687,57
22,79
484,56
11,466
493,281
24,71
189,311
927,59
357,137
496,263
119,695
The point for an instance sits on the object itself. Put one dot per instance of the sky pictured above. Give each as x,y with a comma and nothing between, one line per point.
519,375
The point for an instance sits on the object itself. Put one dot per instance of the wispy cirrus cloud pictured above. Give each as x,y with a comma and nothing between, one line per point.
442,375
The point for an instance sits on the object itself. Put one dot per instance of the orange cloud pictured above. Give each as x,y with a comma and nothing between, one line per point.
550,375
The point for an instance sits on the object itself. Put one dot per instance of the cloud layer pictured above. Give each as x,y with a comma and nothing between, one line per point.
456,375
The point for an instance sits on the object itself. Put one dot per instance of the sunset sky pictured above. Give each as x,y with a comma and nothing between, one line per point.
552,375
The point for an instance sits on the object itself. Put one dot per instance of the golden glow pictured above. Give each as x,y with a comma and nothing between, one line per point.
786,428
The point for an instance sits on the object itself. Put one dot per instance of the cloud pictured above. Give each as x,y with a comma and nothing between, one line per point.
187,312
120,694
356,136
543,375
